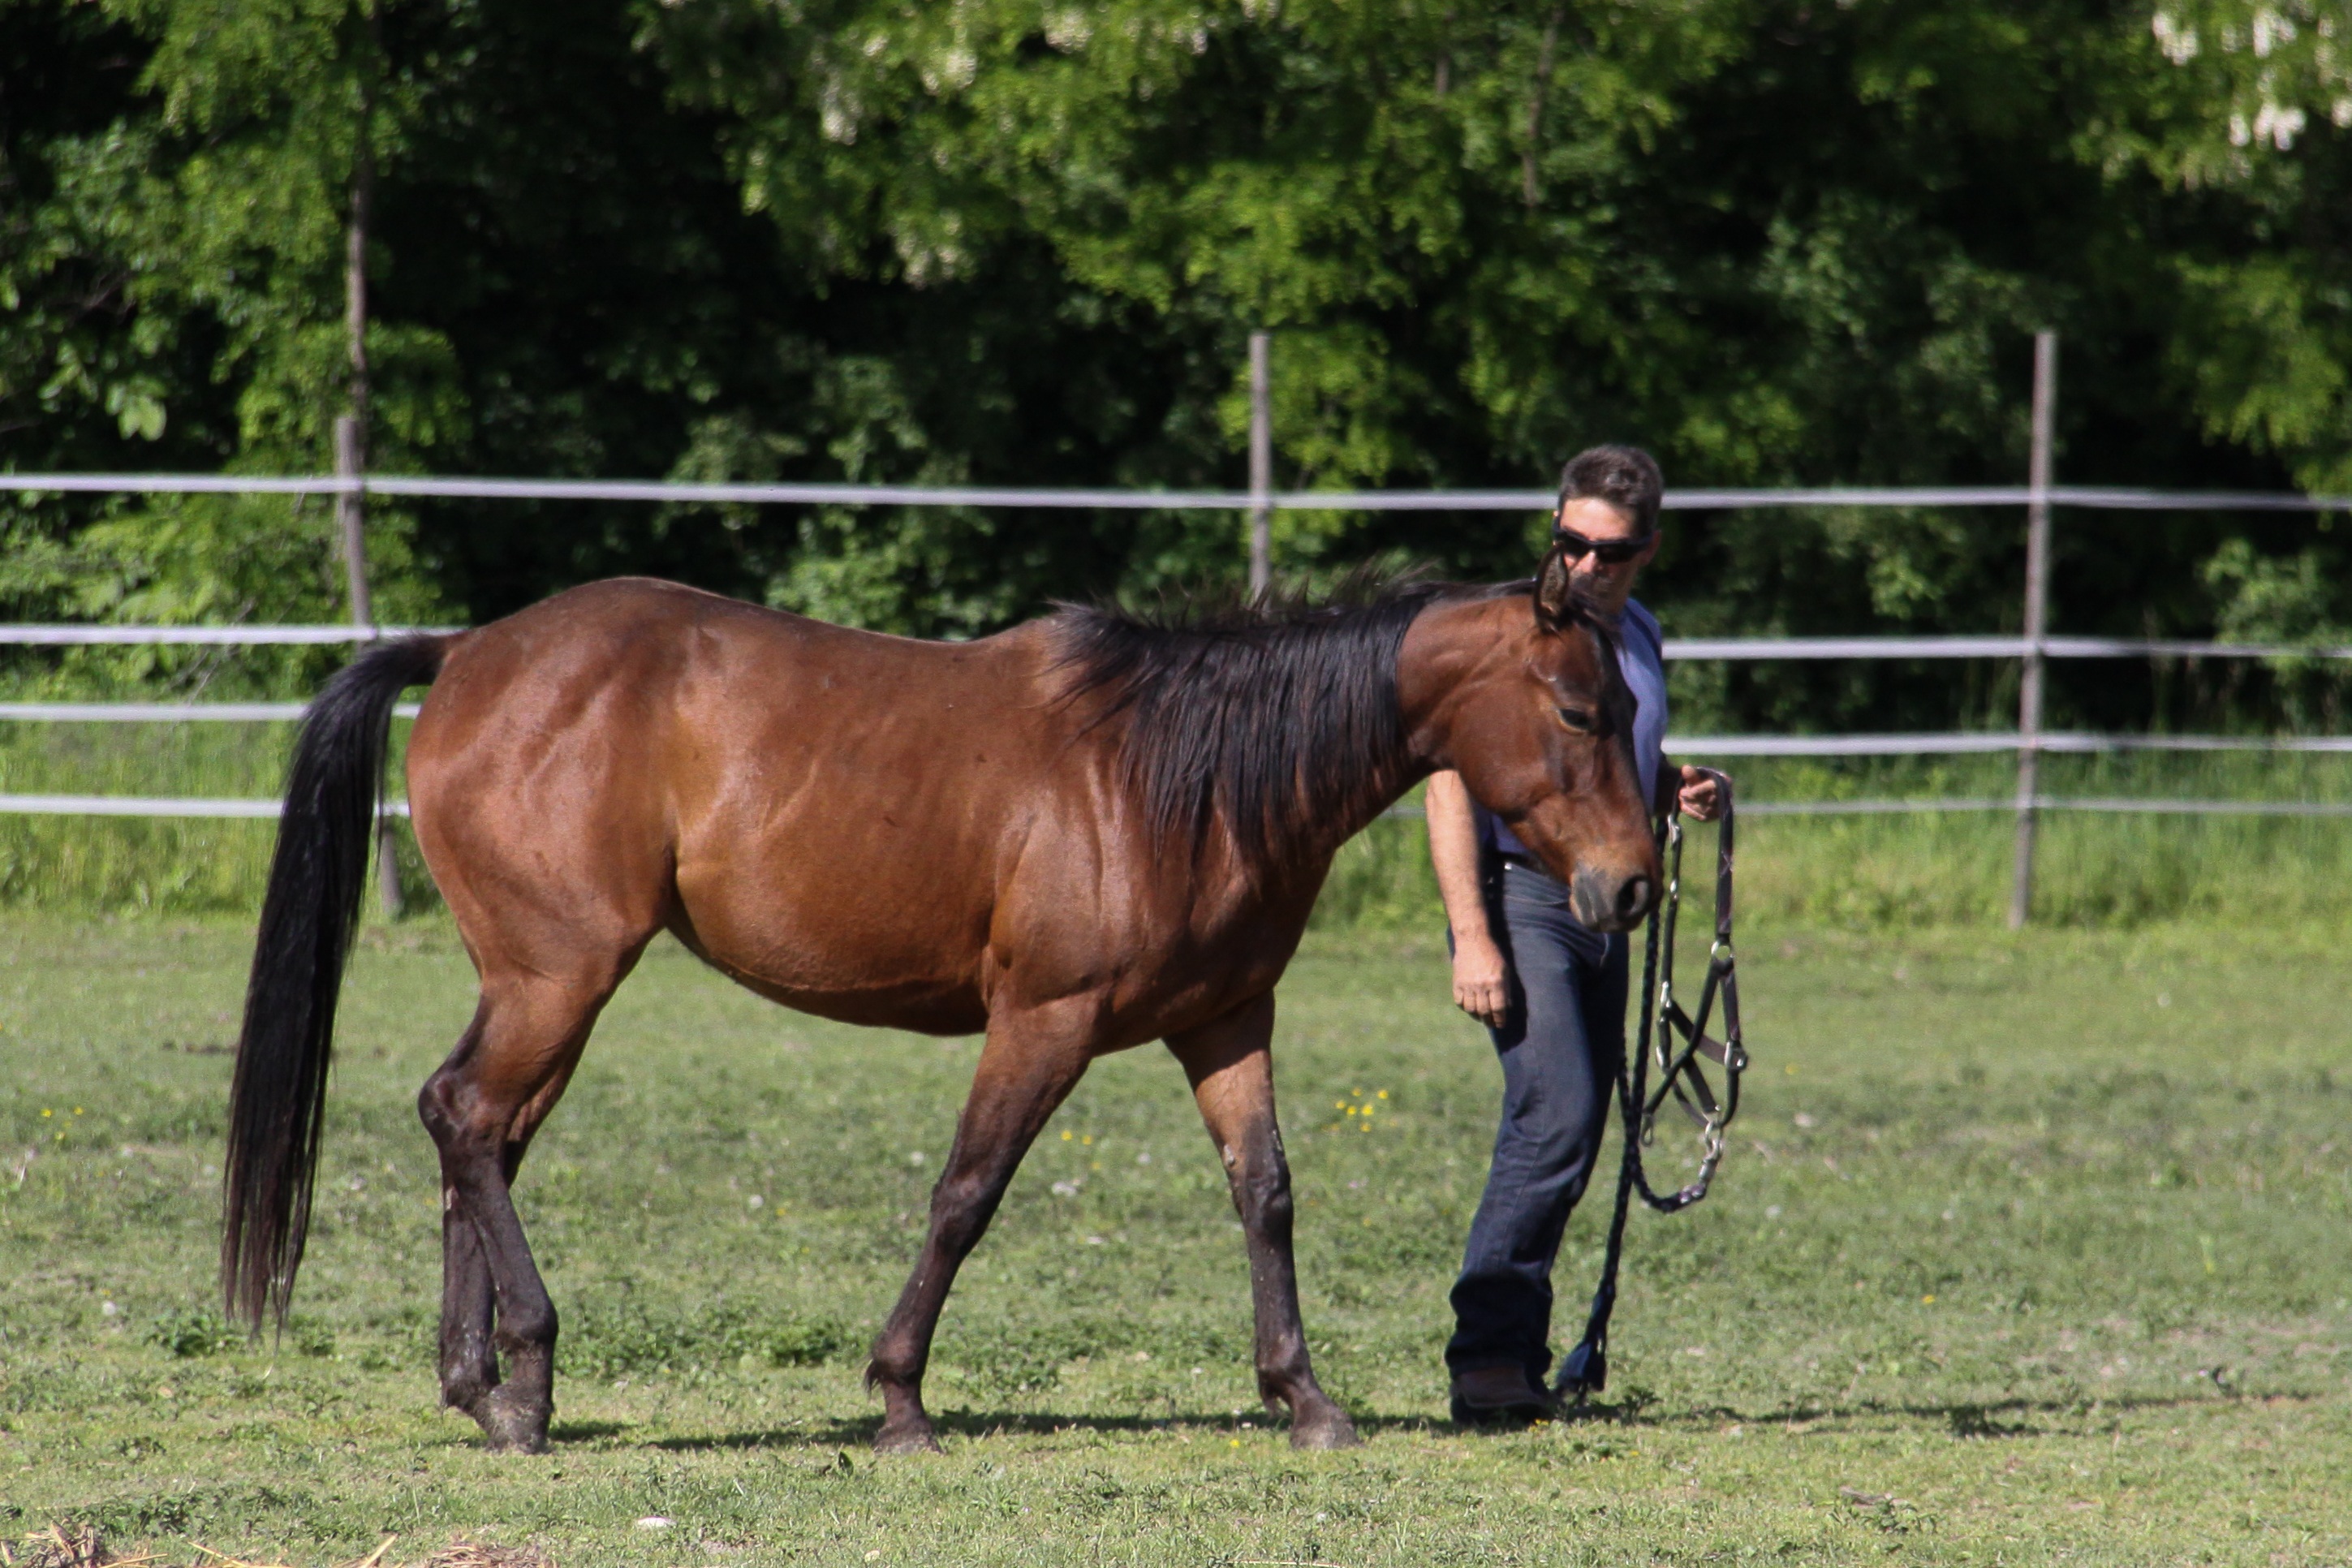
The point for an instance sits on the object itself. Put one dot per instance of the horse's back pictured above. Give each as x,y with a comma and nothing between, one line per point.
827,814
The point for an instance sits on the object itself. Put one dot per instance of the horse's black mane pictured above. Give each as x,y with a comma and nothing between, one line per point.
1279,715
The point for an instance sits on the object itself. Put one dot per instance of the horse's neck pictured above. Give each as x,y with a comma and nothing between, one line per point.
1449,646
1348,818
1446,645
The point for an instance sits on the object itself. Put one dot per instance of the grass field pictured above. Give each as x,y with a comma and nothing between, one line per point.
2031,1250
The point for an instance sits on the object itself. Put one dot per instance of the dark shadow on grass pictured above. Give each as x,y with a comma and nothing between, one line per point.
585,1431
1963,1418
1984,1421
1639,1409
859,1433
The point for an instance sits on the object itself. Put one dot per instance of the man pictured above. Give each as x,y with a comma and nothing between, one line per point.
1550,992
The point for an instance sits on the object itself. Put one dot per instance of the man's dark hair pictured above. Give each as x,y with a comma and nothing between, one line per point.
1627,477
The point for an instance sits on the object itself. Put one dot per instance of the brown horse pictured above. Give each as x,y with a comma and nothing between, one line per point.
1082,835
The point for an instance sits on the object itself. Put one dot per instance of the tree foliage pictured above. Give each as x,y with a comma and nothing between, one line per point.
1020,241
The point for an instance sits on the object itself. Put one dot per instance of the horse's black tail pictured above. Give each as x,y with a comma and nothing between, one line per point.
316,878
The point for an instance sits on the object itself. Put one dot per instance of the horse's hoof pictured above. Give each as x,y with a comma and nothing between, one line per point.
910,1439
511,1427
1326,1428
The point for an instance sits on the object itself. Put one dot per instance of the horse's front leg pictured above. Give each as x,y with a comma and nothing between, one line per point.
1231,1064
1032,1058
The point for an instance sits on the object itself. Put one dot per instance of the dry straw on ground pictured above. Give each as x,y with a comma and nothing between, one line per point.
78,1546
464,1553
66,1546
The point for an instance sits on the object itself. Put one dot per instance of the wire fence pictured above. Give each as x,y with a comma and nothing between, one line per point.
1676,649
1990,646
2095,498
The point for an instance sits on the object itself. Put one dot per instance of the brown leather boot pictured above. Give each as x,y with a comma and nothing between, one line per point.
1498,1396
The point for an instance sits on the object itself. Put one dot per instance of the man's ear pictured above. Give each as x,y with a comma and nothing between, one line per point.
1554,594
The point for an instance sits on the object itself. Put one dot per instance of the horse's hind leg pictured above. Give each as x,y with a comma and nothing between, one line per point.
1231,1064
482,1107
1031,1060
468,1365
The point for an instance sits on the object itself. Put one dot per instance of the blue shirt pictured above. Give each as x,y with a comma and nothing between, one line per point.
1641,654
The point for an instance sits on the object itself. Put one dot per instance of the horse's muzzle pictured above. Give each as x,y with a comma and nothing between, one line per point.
1609,903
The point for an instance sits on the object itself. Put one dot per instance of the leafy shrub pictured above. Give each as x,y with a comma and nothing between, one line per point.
808,1342
633,1340
312,1337
195,1331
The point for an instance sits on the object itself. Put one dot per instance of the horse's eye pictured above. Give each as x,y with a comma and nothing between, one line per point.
1581,719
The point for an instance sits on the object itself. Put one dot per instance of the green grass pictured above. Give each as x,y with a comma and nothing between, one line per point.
1997,1209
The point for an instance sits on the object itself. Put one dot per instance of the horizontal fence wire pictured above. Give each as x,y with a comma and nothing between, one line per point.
2126,804
683,492
1748,648
1678,649
155,806
166,713
214,807
1961,743
197,637
1974,742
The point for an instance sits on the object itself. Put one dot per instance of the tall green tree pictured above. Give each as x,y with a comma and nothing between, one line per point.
1009,241
213,205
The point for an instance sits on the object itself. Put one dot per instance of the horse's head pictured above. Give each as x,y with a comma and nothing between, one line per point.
1539,721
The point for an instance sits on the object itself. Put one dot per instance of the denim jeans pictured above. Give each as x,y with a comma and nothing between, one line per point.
1560,1045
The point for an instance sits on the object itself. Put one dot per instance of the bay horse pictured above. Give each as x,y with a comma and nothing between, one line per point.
1079,835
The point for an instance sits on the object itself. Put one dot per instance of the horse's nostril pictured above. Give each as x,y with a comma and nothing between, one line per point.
1632,898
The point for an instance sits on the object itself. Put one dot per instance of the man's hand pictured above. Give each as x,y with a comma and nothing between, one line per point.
1701,798
1482,979
1482,984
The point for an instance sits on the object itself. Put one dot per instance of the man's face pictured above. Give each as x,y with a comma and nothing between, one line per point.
1611,584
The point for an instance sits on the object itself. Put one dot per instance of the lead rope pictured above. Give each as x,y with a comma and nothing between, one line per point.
1681,1042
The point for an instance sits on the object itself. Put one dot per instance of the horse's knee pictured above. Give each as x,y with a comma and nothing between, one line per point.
962,1205
1260,1178
1267,1203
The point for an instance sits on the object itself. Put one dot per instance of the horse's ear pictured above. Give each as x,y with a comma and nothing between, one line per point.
1554,593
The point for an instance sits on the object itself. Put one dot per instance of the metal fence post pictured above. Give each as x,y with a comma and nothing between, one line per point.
1260,467
350,518
351,430
2037,606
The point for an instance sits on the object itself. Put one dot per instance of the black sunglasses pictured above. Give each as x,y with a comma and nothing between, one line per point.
1608,552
